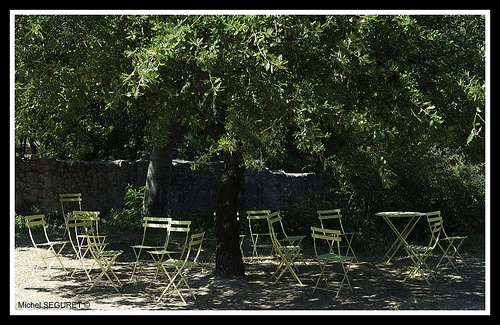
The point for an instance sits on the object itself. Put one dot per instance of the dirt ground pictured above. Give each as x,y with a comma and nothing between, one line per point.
377,286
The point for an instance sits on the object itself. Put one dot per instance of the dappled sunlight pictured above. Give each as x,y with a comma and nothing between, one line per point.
376,285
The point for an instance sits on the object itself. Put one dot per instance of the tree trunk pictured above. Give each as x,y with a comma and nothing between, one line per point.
228,259
159,174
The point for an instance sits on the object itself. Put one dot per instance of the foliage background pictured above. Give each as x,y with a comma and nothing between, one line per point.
390,109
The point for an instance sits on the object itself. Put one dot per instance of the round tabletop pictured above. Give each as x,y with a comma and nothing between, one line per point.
399,214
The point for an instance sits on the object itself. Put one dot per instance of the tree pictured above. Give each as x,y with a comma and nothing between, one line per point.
220,70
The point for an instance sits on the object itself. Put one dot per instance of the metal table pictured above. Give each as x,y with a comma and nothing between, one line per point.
401,235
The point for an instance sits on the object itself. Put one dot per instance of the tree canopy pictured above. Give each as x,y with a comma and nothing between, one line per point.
346,95
371,81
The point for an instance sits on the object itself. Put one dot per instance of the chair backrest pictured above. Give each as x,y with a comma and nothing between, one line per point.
77,226
334,214
274,220
256,217
37,221
92,216
195,243
436,227
436,215
94,244
178,235
150,234
70,197
331,237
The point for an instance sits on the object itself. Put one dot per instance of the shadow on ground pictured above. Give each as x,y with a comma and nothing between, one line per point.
376,286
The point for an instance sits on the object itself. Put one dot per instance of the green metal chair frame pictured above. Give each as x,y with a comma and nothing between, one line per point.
78,225
103,258
287,248
51,251
148,224
171,248
419,254
258,216
332,239
452,244
181,267
336,214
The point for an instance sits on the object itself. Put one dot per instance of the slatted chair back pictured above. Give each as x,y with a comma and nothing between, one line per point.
77,227
276,227
155,231
334,215
258,227
194,250
436,228
324,238
37,221
178,237
93,216
70,197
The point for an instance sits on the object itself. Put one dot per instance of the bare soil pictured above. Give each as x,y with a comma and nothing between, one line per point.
376,286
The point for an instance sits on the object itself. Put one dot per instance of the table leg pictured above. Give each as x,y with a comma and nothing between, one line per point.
400,236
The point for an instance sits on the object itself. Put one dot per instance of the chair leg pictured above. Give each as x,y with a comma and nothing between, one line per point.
59,255
105,266
419,261
172,283
322,275
448,257
286,263
345,278
137,256
453,254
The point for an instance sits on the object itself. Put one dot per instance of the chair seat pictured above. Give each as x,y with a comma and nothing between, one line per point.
50,243
292,238
290,248
454,238
419,248
147,247
110,253
164,252
176,263
331,257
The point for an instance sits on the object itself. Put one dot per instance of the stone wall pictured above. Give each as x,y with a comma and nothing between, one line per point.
102,184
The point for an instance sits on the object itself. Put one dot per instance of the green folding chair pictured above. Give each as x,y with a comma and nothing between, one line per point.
258,227
419,253
154,237
104,259
176,270
335,215
327,251
175,245
287,248
46,249
448,245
